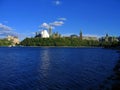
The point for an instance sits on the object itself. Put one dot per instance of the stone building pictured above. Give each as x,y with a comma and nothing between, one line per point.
108,38
90,38
13,39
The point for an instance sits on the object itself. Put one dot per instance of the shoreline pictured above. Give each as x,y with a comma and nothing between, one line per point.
55,46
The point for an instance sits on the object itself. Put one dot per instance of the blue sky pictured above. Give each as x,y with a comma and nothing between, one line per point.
93,17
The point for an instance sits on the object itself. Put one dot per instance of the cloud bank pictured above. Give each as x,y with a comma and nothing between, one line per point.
45,25
54,24
6,30
57,23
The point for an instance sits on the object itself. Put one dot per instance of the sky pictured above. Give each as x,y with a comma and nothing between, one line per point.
92,17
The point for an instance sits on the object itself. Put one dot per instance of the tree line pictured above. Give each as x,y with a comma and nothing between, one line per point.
66,42
5,42
61,42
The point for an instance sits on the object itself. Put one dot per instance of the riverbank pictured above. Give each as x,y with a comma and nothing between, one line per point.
50,47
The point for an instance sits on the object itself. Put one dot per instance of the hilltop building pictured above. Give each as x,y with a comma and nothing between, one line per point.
13,39
56,35
82,37
43,34
108,38
90,38
87,37
47,34
73,36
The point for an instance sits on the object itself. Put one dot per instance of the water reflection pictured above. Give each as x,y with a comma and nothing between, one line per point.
45,62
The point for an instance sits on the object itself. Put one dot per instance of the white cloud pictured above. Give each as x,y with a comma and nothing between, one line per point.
62,19
51,25
57,23
5,28
45,25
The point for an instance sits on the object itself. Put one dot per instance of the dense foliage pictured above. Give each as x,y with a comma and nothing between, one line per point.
5,42
58,42
66,42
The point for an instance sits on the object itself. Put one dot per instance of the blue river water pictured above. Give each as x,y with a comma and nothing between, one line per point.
44,68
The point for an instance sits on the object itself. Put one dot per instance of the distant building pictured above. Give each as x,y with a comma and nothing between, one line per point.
66,36
74,36
38,34
42,34
56,35
82,37
87,37
13,39
108,38
90,38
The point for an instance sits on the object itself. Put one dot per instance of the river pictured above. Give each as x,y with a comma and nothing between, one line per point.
55,68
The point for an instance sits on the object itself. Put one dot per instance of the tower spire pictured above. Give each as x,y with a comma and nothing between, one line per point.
80,34
50,31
